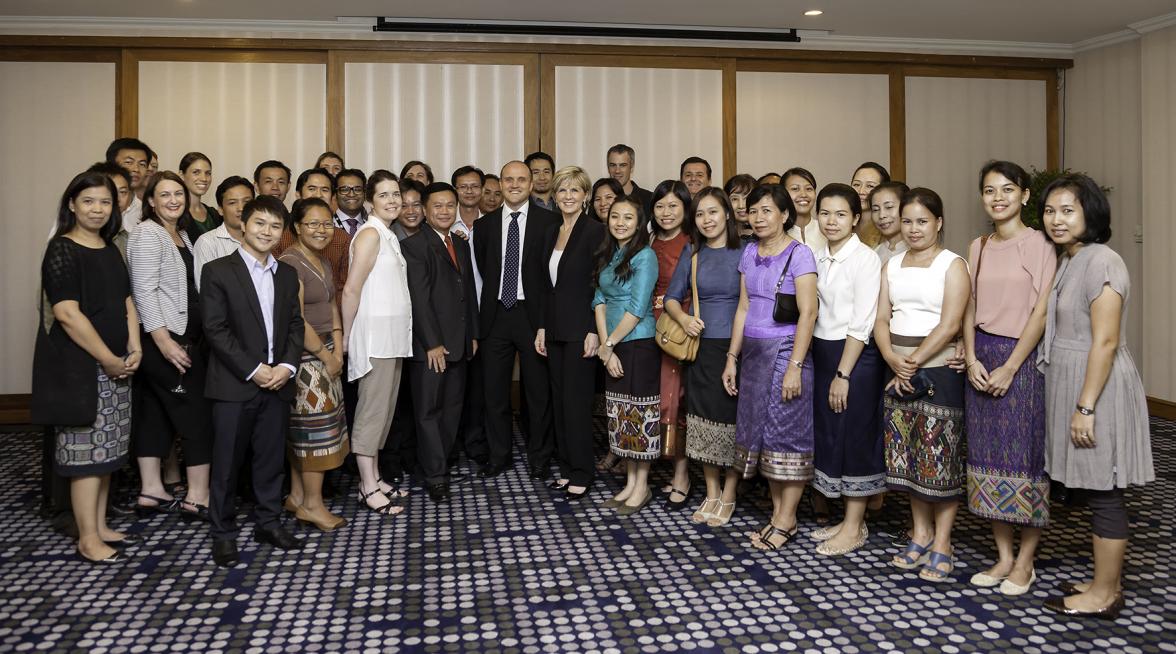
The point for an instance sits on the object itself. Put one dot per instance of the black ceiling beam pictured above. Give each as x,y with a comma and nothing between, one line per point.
536,29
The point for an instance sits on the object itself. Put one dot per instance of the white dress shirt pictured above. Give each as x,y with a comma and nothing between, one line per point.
262,275
212,245
847,288
811,235
506,212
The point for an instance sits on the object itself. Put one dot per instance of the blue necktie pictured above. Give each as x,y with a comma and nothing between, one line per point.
510,266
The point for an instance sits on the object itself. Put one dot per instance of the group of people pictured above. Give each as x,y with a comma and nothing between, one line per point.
836,344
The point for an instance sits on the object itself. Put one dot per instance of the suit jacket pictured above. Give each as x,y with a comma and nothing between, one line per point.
444,306
488,252
568,314
159,278
235,329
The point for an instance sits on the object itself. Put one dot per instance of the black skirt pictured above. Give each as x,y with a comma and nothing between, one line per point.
848,445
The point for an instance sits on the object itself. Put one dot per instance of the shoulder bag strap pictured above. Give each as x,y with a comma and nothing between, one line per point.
787,262
694,285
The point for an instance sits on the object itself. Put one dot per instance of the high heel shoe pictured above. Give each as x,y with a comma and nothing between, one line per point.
161,505
721,516
389,509
199,515
304,516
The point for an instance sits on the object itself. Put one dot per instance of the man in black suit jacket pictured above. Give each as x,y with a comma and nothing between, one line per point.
254,327
444,333
508,246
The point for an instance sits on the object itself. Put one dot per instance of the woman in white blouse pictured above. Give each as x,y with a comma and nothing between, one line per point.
377,326
849,371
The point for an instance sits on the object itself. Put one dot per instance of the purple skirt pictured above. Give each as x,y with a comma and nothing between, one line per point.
773,436
1006,441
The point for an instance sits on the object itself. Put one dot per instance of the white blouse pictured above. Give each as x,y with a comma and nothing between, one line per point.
553,265
382,328
916,294
847,287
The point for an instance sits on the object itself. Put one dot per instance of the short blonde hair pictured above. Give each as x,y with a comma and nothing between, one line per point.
573,174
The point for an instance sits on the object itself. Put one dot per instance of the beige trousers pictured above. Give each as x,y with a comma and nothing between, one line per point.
376,405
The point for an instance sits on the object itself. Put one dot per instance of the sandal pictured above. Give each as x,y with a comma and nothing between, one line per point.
396,492
559,484
932,572
165,506
389,509
914,556
671,504
701,514
608,463
773,530
199,515
718,519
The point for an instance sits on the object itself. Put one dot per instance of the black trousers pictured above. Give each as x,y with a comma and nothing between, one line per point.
472,430
159,414
436,402
511,334
573,379
259,423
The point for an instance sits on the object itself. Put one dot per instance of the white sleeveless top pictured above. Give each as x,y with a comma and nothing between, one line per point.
916,294
382,328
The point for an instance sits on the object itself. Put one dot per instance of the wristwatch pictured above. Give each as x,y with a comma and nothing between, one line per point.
609,344
1086,411
841,375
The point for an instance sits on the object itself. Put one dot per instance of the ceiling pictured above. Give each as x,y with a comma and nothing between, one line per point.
1026,21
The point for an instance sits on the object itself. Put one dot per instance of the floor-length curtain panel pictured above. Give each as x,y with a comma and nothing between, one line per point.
665,114
825,122
954,126
447,115
239,114
56,118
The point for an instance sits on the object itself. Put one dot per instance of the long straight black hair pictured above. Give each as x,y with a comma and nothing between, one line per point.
609,246
66,220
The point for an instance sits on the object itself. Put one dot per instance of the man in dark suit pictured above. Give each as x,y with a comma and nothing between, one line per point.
444,320
508,247
253,324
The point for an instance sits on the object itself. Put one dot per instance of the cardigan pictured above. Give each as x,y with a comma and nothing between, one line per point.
159,282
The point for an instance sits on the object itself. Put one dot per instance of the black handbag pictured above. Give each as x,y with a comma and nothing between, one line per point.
922,384
785,310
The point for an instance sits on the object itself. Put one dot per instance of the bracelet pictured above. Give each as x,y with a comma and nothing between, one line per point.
798,364
733,355
1086,411
841,375
337,329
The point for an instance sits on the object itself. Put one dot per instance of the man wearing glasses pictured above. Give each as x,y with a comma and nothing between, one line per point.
349,185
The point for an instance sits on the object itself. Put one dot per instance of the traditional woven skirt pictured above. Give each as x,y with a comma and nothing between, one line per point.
710,411
673,414
102,447
1006,441
925,450
848,445
773,436
317,439
632,402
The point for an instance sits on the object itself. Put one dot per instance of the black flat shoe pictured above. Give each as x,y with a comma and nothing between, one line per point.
277,537
540,473
117,557
491,470
676,505
162,505
559,484
1108,612
573,497
224,553
128,540
199,515
439,493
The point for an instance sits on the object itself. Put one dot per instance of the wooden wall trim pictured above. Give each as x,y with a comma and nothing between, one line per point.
1053,124
1161,408
730,121
981,70
536,48
82,55
251,56
623,61
336,104
126,108
547,104
14,409
438,57
834,67
897,113
533,105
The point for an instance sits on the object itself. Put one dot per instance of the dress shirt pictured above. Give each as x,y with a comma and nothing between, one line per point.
812,236
550,206
133,215
506,212
460,227
262,275
342,218
212,245
847,288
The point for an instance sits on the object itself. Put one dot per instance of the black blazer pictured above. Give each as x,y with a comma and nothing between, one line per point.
568,314
444,304
235,330
646,198
488,252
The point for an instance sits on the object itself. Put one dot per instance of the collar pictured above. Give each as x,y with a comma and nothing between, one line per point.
844,253
270,265
526,206
342,217
439,234
222,231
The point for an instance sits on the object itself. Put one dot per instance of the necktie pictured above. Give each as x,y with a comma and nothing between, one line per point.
510,265
452,252
351,224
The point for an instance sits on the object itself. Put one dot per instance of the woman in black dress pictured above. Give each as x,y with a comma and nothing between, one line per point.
85,355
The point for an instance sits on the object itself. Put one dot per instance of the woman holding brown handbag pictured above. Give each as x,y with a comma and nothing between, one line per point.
708,273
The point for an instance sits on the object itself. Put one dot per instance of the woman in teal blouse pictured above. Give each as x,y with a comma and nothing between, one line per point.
626,274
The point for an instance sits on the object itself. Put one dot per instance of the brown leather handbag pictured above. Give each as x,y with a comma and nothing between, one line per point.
671,338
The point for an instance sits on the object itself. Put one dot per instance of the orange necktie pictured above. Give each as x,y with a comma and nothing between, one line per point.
452,251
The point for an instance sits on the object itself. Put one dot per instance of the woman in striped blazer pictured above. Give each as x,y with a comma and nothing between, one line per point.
171,380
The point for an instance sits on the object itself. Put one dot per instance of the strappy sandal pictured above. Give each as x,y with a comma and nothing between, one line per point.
165,506
701,514
773,530
932,572
397,493
914,556
389,509
199,515
718,519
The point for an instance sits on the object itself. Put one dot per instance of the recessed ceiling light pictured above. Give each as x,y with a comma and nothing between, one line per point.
813,12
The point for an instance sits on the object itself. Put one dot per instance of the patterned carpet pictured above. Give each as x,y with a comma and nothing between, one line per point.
505,568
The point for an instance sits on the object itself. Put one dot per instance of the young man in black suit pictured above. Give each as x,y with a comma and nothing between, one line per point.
254,327
508,247
444,320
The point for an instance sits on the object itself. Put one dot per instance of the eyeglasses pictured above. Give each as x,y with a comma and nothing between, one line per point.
316,225
470,187
350,190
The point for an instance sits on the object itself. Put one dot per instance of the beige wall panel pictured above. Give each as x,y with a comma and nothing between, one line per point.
827,123
55,120
239,114
954,126
1159,169
447,115
1103,140
665,114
